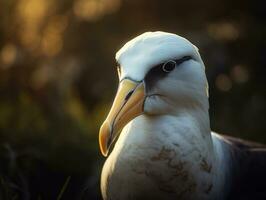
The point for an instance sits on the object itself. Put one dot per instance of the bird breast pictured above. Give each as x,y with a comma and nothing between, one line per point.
154,163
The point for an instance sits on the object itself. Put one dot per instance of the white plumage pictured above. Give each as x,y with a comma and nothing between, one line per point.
168,150
139,55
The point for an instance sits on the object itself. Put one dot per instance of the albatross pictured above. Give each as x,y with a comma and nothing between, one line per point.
159,127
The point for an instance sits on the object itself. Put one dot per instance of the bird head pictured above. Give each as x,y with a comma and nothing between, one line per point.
159,74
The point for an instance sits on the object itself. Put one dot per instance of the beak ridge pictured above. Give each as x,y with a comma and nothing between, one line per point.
127,105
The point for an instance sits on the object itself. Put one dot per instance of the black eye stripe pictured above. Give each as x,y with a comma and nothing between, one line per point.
178,61
157,73
158,68
185,58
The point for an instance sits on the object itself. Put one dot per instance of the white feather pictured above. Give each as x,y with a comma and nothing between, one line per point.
138,55
169,151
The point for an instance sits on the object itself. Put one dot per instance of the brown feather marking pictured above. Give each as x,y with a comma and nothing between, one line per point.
205,166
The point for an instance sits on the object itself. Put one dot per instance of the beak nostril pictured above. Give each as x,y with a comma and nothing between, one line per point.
128,95
127,105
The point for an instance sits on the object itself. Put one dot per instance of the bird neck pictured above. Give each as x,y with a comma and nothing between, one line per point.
188,130
180,144
195,118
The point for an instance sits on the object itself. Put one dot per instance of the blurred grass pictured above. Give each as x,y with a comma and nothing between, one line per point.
63,188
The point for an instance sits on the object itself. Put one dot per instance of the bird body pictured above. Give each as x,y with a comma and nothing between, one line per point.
166,149
153,163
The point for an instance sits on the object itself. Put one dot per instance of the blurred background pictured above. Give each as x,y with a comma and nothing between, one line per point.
58,79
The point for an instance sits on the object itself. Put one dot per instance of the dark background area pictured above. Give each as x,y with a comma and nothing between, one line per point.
58,79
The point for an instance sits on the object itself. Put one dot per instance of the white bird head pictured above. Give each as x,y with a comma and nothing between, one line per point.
160,73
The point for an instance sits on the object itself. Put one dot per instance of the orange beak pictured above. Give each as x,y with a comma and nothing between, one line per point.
127,105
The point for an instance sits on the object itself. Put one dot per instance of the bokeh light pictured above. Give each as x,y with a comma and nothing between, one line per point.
8,55
240,74
223,82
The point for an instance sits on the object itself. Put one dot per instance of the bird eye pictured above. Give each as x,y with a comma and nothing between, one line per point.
169,66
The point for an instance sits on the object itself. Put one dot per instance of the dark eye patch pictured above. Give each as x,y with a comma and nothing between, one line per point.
183,59
156,73
153,76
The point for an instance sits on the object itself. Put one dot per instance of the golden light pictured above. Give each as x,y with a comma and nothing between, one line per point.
88,10
52,44
8,54
223,31
52,40
91,10
30,14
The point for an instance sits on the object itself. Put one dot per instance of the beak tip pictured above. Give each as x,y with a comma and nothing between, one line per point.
104,138
104,152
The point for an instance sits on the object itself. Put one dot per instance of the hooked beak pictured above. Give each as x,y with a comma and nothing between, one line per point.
127,105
